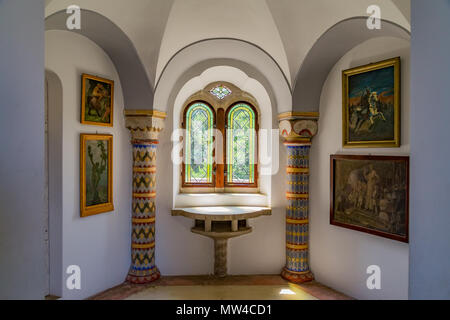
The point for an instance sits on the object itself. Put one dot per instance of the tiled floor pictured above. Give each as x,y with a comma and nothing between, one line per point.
265,287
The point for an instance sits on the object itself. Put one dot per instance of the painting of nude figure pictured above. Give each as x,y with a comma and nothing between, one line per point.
370,194
97,101
371,105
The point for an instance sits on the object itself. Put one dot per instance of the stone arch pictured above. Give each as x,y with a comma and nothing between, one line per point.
194,59
137,87
326,52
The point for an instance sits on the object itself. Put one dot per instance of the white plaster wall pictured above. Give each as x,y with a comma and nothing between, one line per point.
22,180
340,257
99,244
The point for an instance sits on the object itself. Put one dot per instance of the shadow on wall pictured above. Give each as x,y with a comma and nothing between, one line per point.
53,218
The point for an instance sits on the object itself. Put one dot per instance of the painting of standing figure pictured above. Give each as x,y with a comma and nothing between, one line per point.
370,194
371,105
97,101
96,174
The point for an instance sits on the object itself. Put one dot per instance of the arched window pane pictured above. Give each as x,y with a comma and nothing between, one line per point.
199,144
241,144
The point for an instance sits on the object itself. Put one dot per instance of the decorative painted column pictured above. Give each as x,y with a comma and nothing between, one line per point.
145,126
297,129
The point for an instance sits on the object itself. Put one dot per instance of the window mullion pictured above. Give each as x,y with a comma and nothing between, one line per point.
220,148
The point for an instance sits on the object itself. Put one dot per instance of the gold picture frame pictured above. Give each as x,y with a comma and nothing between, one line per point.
97,101
96,179
371,105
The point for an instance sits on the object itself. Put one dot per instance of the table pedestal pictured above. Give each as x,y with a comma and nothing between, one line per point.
220,257
221,224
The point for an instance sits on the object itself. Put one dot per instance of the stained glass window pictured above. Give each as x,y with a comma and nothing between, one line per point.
199,144
241,144
220,92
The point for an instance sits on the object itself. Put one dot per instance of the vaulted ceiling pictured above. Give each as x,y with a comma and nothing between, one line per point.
284,30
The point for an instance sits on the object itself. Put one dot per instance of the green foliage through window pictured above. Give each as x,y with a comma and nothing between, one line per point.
241,144
199,144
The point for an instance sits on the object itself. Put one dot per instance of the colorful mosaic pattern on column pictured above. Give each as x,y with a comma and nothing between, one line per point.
143,268
297,213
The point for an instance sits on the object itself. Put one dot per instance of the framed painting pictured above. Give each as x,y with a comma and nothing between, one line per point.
97,101
370,194
371,105
96,165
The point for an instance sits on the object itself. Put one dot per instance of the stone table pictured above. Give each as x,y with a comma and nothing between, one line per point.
221,224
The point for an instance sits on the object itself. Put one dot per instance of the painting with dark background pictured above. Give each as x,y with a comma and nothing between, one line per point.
98,95
370,194
371,105
96,172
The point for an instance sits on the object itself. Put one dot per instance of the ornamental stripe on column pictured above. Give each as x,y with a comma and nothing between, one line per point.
145,127
297,223
143,268
297,130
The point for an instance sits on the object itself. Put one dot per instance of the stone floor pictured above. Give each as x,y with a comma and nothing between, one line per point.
264,287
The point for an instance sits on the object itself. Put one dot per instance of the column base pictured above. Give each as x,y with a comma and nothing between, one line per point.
297,277
143,279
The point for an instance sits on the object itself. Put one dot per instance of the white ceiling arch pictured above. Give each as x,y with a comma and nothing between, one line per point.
302,22
198,57
327,51
142,21
136,86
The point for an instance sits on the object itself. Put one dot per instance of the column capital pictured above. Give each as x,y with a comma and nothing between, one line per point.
298,127
144,124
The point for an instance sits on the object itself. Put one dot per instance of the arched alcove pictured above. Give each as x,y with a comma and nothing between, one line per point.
327,241
327,51
266,231
249,85
68,55
137,87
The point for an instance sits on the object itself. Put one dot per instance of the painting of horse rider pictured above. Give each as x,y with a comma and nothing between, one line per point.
371,105
97,101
